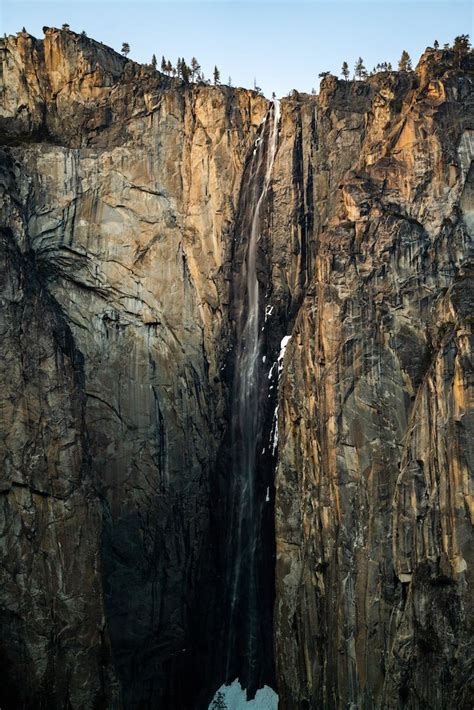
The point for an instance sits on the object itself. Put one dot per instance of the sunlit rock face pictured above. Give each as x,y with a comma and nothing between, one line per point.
373,527
120,197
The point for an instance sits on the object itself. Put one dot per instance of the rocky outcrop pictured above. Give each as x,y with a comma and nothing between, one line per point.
121,196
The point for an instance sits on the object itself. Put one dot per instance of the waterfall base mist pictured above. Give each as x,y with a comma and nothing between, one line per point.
233,697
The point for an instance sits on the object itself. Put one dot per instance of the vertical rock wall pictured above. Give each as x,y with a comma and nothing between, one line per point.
54,643
373,527
125,187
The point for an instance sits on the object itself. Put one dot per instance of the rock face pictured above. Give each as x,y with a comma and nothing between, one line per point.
373,509
120,189
120,195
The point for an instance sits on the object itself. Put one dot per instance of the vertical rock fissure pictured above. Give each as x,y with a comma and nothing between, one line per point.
245,524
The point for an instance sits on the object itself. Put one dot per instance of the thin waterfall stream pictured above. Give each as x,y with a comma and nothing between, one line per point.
246,424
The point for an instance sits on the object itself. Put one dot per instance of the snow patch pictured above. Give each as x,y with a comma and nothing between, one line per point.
268,311
233,697
283,347
270,373
274,433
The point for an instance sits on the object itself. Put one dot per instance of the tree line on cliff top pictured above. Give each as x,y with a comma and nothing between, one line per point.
193,72
461,46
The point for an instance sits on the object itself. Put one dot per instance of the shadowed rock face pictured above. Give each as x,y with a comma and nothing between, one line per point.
120,193
126,222
54,646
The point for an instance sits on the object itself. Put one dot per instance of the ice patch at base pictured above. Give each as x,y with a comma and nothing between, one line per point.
234,697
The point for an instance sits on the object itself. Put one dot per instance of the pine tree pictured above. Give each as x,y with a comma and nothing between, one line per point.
125,48
360,72
345,70
83,33
217,76
229,81
195,67
219,701
405,62
436,44
185,71
153,61
323,74
164,65
461,46
256,88
65,26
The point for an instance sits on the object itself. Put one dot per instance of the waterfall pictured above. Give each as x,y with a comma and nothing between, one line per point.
246,511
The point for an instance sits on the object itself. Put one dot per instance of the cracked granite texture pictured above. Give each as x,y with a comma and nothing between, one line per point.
119,199
373,497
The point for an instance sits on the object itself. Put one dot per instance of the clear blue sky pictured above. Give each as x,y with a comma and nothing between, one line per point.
283,44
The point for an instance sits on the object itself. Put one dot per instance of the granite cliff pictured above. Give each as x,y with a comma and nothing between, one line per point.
124,229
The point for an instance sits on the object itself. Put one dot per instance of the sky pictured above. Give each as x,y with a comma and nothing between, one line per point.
281,44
